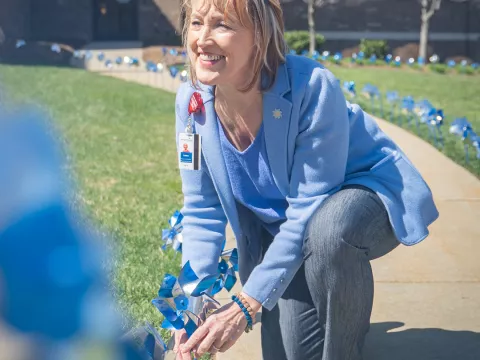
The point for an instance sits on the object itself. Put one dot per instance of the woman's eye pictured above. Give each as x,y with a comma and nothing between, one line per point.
224,25
195,23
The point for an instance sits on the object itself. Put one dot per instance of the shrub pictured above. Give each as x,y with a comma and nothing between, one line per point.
300,40
467,70
374,47
439,68
362,62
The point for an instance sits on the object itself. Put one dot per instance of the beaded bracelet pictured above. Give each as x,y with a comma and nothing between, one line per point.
245,312
247,305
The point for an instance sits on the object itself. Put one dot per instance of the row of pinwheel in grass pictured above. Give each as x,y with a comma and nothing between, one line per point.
462,67
417,114
120,62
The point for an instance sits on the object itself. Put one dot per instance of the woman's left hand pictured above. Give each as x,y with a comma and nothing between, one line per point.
220,331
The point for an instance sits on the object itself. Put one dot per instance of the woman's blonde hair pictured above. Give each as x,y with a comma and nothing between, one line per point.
265,17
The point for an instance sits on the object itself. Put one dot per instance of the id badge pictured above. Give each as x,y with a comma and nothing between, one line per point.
190,151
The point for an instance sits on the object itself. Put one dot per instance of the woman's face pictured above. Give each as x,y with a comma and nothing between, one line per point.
221,49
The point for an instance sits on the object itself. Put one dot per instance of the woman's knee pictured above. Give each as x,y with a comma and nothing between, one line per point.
355,216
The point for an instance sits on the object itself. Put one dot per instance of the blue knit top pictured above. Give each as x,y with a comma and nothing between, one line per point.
252,181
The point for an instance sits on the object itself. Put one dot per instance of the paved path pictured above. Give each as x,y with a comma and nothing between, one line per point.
427,297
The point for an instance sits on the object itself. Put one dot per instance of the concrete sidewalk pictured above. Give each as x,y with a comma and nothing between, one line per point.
427,297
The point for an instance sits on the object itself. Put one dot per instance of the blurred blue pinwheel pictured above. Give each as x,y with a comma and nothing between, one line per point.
372,92
408,106
434,120
463,128
349,88
337,58
393,100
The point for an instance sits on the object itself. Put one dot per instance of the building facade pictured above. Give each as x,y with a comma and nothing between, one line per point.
454,30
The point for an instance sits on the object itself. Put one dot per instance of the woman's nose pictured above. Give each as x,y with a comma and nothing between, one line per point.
204,36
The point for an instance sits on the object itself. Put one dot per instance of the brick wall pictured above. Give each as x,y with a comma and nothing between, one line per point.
71,21
392,16
159,22
14,18
68,21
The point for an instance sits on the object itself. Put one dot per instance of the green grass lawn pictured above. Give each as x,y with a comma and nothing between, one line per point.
121,138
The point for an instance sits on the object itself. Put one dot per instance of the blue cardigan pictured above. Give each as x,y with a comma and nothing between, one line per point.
318,144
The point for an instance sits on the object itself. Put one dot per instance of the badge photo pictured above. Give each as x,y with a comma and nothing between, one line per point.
189,151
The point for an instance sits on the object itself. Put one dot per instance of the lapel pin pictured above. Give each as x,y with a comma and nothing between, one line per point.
195,105
277,114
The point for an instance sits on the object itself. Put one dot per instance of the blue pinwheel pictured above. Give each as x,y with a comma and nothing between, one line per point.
56,48
372,92
436,118
476,144
20,43
173,237
173,71
315,55
354,57
174,297
422,110
134,61
184,76
349,88
393,100
463,128
398,61
46,250
408,104
337,58
151,66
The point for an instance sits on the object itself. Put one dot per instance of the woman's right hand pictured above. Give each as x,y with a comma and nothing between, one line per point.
180,339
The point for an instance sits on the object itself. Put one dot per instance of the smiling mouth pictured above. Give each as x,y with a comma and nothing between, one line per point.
210,58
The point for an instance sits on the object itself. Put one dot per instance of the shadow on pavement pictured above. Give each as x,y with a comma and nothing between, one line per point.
420,344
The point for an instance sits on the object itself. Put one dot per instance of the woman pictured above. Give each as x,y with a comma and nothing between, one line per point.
311,187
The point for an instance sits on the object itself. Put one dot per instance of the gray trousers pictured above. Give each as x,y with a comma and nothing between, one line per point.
325,312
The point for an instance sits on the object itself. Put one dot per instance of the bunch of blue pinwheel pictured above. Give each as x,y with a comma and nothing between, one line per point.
463,128
180,300
183,300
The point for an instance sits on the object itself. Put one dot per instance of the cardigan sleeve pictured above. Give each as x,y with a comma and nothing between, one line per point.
204,219
319,165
